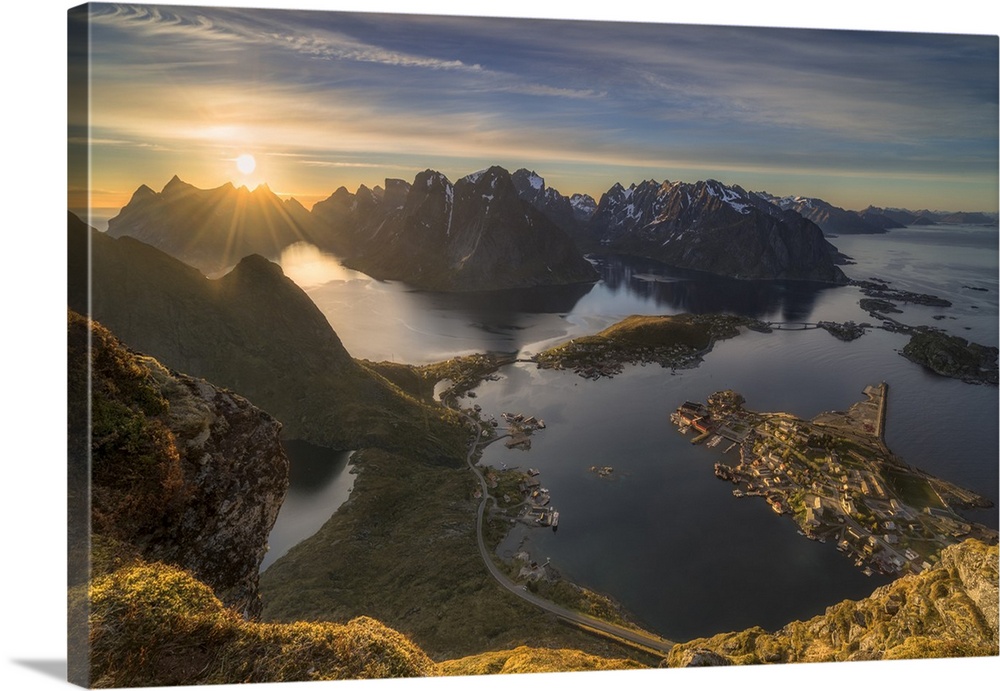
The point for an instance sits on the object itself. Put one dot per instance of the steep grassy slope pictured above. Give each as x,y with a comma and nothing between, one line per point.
403,550
185,481
254,331
154,624
525,660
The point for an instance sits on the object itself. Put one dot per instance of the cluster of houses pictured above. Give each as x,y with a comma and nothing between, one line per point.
537,499
838,495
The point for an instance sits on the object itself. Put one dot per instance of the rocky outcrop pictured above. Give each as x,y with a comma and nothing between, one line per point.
711,227
526,660
557,208
213,229
155,625
947,611
183,472
236,477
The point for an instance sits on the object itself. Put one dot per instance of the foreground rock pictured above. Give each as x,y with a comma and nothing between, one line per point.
948,611
182,471
155,625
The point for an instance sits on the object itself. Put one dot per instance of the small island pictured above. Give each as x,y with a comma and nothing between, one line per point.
675,342
953,356
838,481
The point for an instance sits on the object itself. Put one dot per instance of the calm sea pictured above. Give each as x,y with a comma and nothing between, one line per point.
662,535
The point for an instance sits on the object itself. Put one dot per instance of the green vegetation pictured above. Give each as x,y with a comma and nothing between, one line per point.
135,474
153,624
914,490
670,341
257,333
403,550
464,372
953,356
525,660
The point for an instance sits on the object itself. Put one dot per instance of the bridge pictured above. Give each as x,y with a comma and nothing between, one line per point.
793,326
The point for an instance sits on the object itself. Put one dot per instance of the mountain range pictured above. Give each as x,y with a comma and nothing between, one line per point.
474,234
832,219
213,229
184,476
712,227
494,230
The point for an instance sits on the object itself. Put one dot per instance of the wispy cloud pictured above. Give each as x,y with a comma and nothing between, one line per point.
323,93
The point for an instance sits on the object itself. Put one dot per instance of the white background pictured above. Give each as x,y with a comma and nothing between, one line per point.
32,460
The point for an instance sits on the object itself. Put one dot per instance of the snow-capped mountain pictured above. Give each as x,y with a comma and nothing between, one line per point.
833,220
709,226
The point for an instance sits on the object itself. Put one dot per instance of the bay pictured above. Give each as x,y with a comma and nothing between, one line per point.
663,535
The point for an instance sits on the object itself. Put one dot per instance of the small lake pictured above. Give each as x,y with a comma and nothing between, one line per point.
319,481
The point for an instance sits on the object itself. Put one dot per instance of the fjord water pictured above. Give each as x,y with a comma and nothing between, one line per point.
662,535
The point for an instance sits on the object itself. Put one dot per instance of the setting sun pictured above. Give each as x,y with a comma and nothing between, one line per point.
246,163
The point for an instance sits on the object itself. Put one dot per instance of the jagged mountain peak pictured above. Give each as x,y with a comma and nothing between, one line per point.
714,227
174,184
430,179
257,265
528,179
212,229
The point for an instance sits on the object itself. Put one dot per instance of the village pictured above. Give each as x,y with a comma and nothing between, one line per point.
519,489
835,477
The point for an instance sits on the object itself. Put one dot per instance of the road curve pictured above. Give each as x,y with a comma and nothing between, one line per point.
657,644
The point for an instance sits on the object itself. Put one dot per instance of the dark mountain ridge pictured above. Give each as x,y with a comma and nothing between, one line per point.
708,226
833,220
213,229
475,234
925,217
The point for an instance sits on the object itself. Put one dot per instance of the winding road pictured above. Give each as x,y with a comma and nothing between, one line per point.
657,644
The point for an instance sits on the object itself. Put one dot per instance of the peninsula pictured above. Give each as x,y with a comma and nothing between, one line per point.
838,480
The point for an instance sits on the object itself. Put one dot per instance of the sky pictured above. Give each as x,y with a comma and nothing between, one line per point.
323,99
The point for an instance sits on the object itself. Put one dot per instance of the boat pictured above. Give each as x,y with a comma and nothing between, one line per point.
555,520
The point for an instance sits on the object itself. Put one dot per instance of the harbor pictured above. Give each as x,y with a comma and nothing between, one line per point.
837,479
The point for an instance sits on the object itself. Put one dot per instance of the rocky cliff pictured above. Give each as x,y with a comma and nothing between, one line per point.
181,471
557,207
948,611
475,234
184,482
